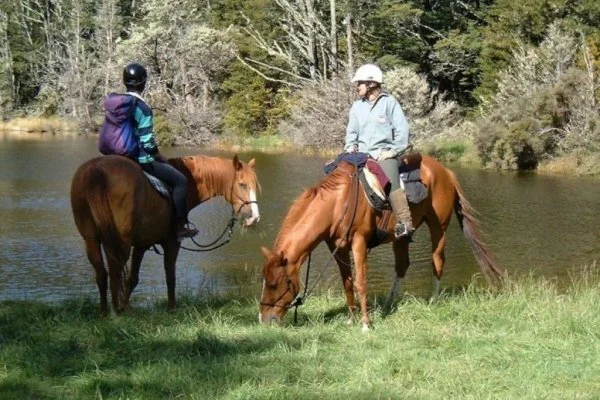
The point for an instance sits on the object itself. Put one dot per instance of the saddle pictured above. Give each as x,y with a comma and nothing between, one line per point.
376,184
159,185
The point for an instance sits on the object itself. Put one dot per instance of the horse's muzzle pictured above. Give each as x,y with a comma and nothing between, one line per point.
251,221
270,319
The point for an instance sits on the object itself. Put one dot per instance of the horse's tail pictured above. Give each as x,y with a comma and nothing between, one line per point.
102,213
470,228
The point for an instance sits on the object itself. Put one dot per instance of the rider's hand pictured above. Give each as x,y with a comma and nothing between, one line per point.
385,154
352,149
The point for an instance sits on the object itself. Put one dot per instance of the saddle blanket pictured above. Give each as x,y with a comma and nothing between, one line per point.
158,185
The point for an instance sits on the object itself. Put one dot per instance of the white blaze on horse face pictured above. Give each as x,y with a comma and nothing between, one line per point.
254,207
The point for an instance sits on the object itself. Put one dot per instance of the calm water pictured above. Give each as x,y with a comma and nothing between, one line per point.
548,225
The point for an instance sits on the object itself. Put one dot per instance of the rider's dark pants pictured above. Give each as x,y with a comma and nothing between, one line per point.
175,179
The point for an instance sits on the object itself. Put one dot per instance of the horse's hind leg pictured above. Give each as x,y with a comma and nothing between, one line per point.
342,258
401,264
117,270
438,242
94,255
134,274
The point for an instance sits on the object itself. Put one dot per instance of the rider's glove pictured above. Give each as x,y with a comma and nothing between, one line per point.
385,154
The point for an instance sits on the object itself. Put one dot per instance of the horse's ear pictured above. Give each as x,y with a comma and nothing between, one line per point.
284,260
236,163
251,163
266,252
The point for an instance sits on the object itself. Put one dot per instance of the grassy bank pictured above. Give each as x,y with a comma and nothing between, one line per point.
41,125
526,341
448,151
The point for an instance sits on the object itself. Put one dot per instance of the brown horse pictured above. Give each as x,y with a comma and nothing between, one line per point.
336,211
116,209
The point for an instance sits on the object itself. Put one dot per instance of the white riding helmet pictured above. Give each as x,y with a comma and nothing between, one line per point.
368,72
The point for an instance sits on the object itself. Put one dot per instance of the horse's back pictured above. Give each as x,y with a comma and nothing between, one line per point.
118,173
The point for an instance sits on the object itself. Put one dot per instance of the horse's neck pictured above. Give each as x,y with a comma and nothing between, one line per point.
213,177
303,232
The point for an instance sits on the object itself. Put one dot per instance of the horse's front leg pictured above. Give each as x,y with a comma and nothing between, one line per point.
359,250
401,263
342,258
170,257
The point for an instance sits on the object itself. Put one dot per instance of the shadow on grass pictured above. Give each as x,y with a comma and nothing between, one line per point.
69,348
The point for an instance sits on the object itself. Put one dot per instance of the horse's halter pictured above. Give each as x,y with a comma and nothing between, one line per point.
290,288
232,192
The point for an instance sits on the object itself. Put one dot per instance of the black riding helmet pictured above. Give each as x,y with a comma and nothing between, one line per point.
134,76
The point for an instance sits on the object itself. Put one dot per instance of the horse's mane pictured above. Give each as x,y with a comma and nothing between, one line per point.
217,173
299,207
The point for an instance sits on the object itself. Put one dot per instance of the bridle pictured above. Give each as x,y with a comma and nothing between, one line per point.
228,229
290,288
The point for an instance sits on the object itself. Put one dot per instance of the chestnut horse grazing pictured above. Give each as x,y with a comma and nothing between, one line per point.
116,209
336,211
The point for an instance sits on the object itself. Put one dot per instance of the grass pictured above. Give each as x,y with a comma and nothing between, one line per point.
265,143
574,164
527,341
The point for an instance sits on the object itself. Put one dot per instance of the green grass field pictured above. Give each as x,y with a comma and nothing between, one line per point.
526,341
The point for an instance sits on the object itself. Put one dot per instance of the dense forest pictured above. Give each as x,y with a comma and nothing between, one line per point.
518,81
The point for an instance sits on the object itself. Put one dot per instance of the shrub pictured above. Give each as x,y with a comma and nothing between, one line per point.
545,106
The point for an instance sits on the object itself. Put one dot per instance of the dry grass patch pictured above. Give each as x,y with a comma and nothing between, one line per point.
50,125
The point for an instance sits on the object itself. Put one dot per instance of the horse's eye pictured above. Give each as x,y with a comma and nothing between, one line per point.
244,186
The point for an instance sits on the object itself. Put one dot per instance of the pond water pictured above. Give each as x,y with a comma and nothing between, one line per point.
548,225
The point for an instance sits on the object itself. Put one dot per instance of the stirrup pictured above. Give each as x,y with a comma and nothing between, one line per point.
188,230
403,230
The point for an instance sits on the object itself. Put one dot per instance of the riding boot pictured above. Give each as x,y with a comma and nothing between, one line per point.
399,203
184,230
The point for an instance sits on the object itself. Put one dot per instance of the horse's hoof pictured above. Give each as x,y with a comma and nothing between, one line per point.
365,328
349,321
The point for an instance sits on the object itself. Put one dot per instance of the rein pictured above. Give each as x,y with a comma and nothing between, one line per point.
228,230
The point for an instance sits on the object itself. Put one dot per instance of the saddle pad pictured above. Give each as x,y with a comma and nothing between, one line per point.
158,185
372,190
375,184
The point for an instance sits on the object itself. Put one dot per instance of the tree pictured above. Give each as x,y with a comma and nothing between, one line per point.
7,94
186,58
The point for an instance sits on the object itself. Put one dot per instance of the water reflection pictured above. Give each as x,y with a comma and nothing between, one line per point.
548,225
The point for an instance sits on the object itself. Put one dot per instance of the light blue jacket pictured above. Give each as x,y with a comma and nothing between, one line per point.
373,128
